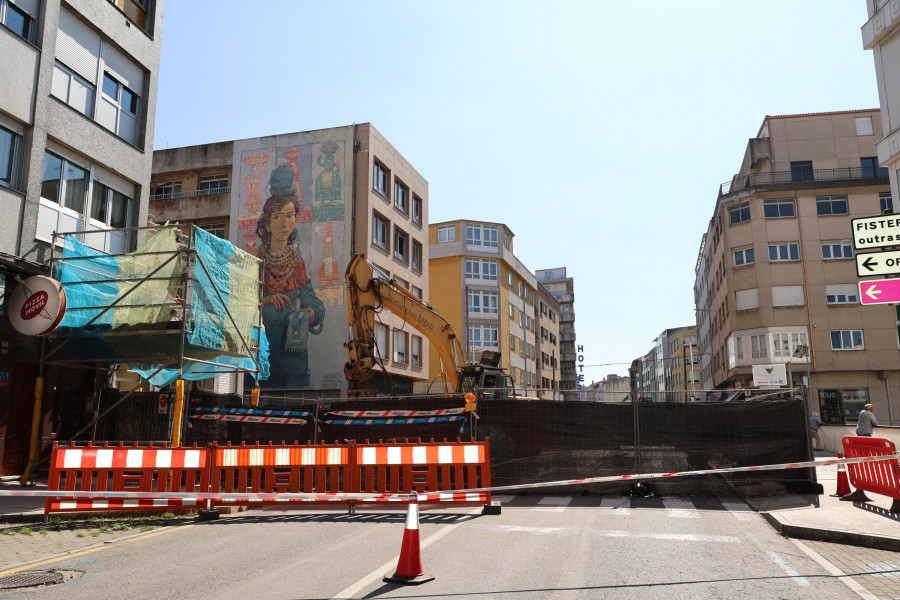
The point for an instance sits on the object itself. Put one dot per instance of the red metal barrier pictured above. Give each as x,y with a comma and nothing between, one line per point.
426,468
879,477
123,468
277,469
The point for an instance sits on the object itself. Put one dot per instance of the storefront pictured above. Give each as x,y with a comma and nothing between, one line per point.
841,406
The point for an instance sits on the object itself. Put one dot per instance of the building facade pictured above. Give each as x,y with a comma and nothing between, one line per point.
881,35
340,191
547,317
77,106
562,288
776,277
487,295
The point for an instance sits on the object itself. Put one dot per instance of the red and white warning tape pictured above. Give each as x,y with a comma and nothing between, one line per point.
396,413
428,496
250,419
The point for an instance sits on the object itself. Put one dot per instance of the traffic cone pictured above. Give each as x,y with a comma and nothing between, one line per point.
409,567
843,484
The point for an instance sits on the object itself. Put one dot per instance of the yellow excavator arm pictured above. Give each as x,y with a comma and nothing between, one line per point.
369,290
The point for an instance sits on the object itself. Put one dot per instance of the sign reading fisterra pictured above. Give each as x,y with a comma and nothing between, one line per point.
876,232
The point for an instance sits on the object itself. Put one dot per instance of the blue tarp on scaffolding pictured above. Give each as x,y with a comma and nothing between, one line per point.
127,308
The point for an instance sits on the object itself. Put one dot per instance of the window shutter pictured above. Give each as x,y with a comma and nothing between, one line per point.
787,295
747,299
77,46
29,6
125,71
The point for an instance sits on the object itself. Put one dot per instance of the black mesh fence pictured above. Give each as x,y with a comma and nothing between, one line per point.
530,441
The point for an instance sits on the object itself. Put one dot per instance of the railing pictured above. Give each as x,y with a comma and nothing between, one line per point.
842,174
191,194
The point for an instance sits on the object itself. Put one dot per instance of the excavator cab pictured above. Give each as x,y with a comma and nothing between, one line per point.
488,383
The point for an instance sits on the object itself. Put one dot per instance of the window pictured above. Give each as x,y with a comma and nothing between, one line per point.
213,184
787,295
739,213
17,20
380,178
512,342
798,339
217,229
73,90
401,245
401,197
758,346
847,339
10,158
400,347
483,303
841,293
381,341
417,291
64,183
802,171
379,231
166,190
512,311
83,58
778,209
837,249
743,256
784,252
119,109
416,351
738,346
417,210
887,204
446,233
483,336
417,256
481,236
831,205
481,269
111,207
864,126
870,167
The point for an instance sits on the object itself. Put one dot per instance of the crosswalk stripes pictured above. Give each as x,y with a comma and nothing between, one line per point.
615,505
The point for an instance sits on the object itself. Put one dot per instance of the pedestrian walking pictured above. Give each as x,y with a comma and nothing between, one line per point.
814,423
866,422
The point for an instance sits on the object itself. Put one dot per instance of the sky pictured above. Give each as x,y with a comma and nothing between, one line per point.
598,131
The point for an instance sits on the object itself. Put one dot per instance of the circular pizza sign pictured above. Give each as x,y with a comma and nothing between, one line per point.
37,305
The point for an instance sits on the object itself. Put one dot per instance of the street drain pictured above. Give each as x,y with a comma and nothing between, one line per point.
27,579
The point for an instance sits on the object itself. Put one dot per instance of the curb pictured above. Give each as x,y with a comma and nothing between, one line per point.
832,535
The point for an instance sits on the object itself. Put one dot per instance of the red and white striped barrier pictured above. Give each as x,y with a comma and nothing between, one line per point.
250,419
291,455
370,414
128,458
420,455
343,496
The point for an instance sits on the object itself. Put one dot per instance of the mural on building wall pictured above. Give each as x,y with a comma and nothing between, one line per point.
292,214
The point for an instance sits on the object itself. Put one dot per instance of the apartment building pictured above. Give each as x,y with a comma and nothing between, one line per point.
344,190
881,35
562,288
676,362
547,315
78,87
776,278
487,295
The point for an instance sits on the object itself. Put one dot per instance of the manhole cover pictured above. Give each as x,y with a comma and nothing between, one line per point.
35,578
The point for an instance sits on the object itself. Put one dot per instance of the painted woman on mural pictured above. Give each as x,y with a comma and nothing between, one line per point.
291,309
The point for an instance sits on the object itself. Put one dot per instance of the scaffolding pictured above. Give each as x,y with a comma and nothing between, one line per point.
185,305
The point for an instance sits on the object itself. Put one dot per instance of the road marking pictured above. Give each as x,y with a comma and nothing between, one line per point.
680,508
612,533
620,506
842,577
739,510
391,565
798,579
553,503
92,550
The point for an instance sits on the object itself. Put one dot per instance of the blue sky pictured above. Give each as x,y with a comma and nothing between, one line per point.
597,131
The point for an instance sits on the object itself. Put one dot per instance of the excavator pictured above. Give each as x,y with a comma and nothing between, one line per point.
369,291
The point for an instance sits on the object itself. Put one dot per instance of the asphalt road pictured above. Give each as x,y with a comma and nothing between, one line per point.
539,547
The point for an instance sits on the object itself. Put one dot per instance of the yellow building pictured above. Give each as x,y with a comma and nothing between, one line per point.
487,295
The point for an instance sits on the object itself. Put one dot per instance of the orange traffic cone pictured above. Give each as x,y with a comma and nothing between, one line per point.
409,567
843,484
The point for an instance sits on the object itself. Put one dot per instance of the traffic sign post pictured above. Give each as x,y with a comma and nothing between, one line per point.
876,264
879,291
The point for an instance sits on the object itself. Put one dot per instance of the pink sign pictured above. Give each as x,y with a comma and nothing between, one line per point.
879,291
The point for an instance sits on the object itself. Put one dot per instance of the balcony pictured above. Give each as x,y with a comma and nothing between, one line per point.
812,179
567,336
185,206
567,356
567,316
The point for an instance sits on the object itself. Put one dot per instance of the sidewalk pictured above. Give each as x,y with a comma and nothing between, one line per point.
801,516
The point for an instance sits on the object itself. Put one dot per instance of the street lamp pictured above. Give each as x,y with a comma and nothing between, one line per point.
801,351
